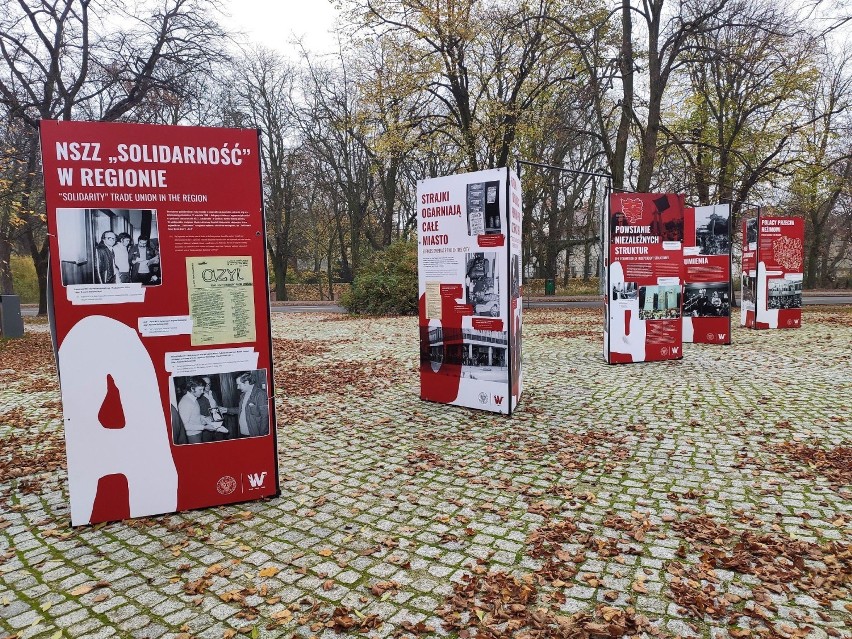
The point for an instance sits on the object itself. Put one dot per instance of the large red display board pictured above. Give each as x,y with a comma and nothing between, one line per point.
469,263
161,316
707,275
644,243
773,261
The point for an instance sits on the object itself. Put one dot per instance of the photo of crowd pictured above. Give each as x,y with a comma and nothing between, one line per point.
659,302
706,299
784,294
109,246
218,407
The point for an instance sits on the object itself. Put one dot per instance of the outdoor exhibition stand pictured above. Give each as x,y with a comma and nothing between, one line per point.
160,316
643,242
469,264
707,275
772,272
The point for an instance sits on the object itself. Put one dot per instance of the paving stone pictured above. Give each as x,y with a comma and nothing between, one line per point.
14,608
23,619
682,426
101,633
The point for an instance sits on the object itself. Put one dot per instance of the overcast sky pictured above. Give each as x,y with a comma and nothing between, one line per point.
272,23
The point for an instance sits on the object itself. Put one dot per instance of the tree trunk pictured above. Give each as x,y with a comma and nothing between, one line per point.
812,257
587,261
280,280
329,254
345,269
622,137
648,152
7,287
41,266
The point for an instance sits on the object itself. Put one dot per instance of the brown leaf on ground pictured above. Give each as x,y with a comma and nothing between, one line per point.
835,464
381,587
784,567
269,571
639,586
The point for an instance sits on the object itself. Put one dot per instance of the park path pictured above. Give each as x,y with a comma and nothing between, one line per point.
704,497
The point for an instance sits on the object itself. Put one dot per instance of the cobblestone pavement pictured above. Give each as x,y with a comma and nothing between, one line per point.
705,497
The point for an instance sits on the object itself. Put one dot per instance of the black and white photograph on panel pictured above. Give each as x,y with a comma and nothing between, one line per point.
625,291
712,230
659,302
445,347
706,299
747,289
108,246
485,355
482,284
214,407
784,293
516,276
483,208
751,231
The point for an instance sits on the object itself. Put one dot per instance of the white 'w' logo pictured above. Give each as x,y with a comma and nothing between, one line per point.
256,480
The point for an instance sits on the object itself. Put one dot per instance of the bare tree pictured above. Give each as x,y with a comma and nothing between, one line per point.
61,60
262,87
821,186
335,128
13,140
485,64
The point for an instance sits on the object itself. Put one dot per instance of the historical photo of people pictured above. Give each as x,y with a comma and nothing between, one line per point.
482,284
624,291
706,299
747,289
485,355
659,302
751,231
784,293
109,246
712,231
516,276
218,407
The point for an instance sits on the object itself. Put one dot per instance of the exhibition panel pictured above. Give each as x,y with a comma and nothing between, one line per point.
707,275
643,242
772,272
469,263
160,303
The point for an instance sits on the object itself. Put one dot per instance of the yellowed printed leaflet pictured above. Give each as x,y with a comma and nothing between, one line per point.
433,300
221,300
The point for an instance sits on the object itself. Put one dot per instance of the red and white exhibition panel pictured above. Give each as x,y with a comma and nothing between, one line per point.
707,275
160,316
643,236
772,272
469,263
